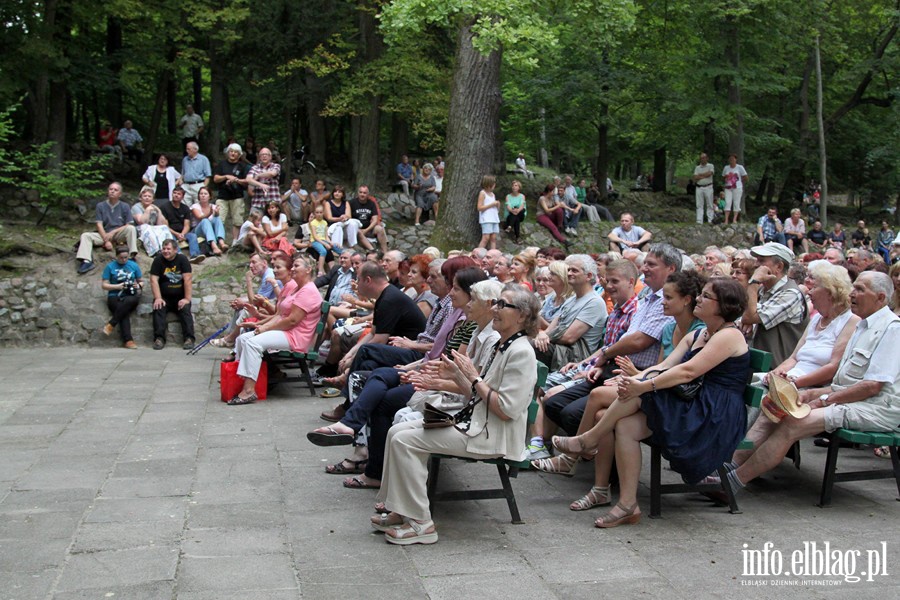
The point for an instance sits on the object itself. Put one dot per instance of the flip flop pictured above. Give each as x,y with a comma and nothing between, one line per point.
330,393
359,467
355,483
330,439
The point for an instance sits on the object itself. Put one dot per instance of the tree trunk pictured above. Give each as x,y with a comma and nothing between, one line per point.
171,107
820,119
197,89
794,179
229,120
659,169
602,170
399,139
472,128
709,138
156,117
542,154
287,168
113,54
365,170
56,126
733,57
211,142
316,144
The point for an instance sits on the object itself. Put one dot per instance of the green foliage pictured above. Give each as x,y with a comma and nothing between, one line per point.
28,170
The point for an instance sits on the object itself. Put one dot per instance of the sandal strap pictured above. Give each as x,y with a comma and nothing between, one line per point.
561,463
592,498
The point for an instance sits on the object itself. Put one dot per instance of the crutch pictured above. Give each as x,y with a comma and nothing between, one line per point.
206,342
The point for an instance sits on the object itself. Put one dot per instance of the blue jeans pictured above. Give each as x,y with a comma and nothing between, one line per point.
571,219
320,248
211,229
193,244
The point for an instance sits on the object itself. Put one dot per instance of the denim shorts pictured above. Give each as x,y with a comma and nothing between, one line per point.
487,228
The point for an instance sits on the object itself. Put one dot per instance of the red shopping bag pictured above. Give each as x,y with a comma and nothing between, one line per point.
230,383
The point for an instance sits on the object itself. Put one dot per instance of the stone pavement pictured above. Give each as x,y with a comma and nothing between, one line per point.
123,476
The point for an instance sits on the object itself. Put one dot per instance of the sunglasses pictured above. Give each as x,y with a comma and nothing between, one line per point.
501,303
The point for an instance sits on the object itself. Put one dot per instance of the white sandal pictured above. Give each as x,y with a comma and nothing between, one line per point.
381,522
411,533
221,343
561,464
598,496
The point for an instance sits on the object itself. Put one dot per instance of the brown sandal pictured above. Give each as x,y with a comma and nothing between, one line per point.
629,518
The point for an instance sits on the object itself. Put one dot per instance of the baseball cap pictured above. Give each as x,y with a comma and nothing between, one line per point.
773,249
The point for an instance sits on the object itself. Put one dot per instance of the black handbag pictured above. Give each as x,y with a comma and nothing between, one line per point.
685,391
435,418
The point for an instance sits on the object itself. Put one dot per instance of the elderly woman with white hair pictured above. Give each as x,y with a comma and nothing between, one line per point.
152,227
426,198
817,355
500,394
231,181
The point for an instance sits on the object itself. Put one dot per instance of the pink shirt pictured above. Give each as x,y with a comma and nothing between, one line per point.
308,299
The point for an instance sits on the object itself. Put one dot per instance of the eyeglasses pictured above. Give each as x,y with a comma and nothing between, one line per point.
501,303
706,296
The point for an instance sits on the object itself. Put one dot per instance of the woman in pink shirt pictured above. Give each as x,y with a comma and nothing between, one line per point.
293,327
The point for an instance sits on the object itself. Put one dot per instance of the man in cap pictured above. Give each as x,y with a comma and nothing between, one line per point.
774,303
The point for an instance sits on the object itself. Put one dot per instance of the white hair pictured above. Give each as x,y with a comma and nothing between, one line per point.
234,146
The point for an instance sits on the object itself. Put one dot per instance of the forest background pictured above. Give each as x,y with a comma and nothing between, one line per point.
592,87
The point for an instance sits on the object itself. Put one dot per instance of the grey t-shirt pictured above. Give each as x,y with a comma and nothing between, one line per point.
589,309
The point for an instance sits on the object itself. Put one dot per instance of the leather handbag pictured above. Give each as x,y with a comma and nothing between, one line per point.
685,391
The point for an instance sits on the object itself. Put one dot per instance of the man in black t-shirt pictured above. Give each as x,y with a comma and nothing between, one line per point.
178,216
364,208
394,315
231,180
171,280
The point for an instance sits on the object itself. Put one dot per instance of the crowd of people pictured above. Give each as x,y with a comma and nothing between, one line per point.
434,354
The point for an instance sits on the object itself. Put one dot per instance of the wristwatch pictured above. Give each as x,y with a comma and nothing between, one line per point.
824,399
475,382
752,281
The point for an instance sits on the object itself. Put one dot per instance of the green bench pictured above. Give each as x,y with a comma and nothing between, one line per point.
506,469
759,362
285,359
831,476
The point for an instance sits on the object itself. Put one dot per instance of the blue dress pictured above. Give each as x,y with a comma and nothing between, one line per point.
698,436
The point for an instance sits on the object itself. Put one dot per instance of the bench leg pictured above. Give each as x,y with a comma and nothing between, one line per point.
655,483
895,462
834,444
434,469
509,494
307,376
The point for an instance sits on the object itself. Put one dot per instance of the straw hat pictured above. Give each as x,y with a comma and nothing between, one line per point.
783,399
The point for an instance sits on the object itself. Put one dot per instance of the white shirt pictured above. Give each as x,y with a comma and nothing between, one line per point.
707,169
740,173
883,366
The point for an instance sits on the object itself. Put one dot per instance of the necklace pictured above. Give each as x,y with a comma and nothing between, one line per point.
707,335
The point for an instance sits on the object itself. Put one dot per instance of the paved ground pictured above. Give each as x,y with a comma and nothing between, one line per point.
123,476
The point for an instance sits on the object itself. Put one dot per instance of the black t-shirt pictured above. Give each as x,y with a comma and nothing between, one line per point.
231,191
162,186
176,216
861,238
817,237
364,212
171,274
397,314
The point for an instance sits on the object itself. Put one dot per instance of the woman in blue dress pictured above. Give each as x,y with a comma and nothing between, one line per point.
696,435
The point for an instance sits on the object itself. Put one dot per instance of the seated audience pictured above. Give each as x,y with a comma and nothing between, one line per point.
692,435
883,242
171,279
123,284
129,141
364,209
425,197
795,231
818,237
769,228
862,395
292,328
206,224
516,211
628,235
275,224
178,219
114,224
296,203
860,238
504,387
152,227
550,214
559,292
522,270
574,332
258,304
252,233
342,227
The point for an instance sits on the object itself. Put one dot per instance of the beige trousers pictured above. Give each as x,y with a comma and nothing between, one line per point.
89,239
404,488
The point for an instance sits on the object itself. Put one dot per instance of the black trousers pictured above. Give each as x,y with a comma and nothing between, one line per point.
184,315
515,221
121,308
567,407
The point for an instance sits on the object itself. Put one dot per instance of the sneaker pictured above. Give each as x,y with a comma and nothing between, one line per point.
108,329
196,260
86,267
574,232
189,344
130,345
159,344
316,378
537,452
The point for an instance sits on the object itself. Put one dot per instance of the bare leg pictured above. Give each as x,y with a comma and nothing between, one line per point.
773,450
418,215
629,433
727,216
589,441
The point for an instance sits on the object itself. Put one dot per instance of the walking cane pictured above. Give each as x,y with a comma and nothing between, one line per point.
206,342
